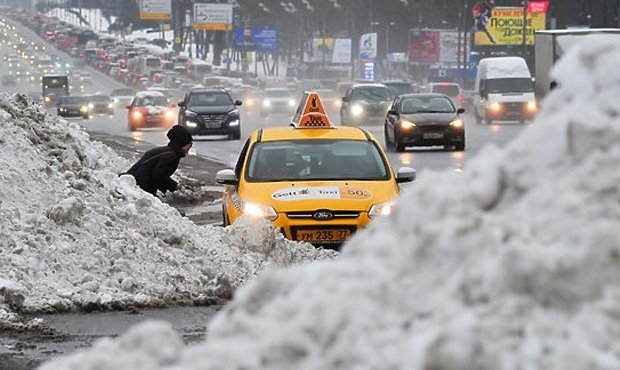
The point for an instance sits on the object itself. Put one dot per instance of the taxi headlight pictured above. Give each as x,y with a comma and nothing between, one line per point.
531,105
457,123
357,110
495,106
258,210
266,103
407,124
382,209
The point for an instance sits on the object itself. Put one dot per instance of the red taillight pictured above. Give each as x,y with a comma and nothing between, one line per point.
460,98
444,84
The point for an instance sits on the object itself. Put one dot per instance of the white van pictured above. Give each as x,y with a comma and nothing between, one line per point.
504,90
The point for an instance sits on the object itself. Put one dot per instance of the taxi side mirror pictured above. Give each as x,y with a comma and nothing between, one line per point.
226,177
405,174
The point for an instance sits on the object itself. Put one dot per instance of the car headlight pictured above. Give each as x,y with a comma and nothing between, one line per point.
357,110
115,100
191,116
234,112
111,105
531,105
47,99
83,109
191,124
234,123
91,105
382,209
495,106
407,124
136,115
458,123
258,210
170,114
291,103
266,103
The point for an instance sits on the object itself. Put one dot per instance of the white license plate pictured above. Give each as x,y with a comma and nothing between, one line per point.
432,135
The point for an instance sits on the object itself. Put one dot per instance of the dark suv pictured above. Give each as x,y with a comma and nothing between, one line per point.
210,112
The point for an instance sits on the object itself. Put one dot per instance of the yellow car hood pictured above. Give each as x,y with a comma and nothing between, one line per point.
313,195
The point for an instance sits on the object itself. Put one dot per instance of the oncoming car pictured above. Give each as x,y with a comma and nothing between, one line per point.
424,120
73,106
150,109
315,183
365,104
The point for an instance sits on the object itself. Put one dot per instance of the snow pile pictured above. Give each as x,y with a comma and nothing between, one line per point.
512,265
75,236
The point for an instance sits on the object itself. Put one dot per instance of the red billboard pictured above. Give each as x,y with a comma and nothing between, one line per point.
424,46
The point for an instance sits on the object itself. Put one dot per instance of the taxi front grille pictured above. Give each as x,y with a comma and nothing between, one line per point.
310,215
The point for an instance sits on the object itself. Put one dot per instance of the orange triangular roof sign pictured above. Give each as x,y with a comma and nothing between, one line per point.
310,112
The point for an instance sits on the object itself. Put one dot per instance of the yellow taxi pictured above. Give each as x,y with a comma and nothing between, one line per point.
315,182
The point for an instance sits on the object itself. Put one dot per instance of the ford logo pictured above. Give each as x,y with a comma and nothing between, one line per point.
323,215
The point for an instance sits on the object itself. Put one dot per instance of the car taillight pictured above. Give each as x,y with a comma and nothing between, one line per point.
460,98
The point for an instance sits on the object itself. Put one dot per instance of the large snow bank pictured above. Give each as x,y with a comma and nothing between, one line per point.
514,264
75,236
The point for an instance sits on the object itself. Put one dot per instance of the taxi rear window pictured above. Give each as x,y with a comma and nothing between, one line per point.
306,160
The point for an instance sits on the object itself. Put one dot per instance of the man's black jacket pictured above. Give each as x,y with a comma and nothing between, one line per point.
152,172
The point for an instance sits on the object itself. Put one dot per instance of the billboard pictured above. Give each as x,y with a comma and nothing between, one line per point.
368,46
255,38
504,25
434,46
327,51
155,9
213,17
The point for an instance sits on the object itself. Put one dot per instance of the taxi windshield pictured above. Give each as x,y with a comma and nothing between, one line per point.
305,160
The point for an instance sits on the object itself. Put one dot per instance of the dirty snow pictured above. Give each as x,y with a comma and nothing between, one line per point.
75,236
513,264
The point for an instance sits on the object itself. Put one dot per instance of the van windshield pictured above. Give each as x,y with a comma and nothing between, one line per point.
509,85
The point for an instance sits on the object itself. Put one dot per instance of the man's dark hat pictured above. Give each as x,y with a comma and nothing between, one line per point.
180,135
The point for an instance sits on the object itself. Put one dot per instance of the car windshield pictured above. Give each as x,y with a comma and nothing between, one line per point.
100,99
277,93
448,89
371,93
72,100
149,101
304,160
209,99
426,105
122,92
400,89
516,85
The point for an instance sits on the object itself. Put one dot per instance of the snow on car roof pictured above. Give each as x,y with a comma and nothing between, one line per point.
142,94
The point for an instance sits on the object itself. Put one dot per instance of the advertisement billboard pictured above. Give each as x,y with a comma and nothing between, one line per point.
213,17
155,9
368,46
504,25
255,38
327,51
424,46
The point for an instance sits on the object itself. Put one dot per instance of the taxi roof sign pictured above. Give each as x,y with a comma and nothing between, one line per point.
310,112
